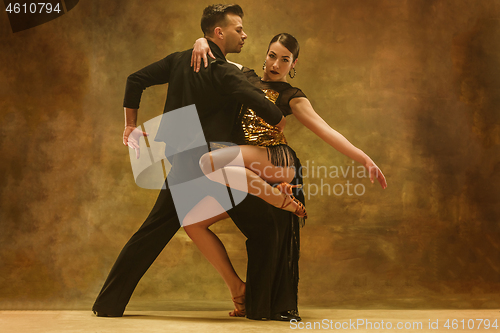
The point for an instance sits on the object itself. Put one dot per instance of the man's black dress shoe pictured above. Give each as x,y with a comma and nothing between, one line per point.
102,314
286,316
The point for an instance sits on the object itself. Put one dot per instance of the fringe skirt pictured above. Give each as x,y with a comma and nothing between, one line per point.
284,156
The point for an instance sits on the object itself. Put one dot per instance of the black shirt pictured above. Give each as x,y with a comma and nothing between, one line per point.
285,90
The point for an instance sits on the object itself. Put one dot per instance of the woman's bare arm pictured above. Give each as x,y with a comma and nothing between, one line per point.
200,51
304,112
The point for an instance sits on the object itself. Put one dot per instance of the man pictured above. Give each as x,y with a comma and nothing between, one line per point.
217,93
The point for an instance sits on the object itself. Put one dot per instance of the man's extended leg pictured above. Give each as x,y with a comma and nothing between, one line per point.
137,256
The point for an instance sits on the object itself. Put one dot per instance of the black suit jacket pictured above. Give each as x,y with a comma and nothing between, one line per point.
217,91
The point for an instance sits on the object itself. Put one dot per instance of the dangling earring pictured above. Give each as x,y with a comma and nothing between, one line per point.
264,66
294,73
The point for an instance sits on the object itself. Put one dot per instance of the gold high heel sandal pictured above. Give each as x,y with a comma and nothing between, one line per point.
236,312
286,189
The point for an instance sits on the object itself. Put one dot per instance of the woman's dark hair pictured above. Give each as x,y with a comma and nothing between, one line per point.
287,41
215,15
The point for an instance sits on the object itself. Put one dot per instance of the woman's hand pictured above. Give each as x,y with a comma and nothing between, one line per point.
304,112
200,50
375,172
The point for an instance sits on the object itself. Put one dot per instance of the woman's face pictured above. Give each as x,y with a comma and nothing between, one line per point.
279,61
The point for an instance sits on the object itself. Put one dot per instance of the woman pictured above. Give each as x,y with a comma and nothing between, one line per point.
267,158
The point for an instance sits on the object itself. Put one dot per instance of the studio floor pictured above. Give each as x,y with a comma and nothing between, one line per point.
219,322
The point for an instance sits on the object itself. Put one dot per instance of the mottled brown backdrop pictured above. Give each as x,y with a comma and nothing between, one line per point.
414,83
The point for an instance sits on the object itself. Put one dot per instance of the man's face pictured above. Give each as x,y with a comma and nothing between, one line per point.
234,37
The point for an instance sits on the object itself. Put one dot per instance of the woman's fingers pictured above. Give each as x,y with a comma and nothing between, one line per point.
211,55
381,178
198,55
205,58
375,172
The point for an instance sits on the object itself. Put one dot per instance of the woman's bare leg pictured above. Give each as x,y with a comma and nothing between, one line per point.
252,174
246,176
211,246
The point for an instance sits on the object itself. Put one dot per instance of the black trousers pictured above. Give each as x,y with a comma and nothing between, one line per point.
269,288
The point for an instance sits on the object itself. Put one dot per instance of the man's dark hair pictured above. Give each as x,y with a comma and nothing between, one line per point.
215,15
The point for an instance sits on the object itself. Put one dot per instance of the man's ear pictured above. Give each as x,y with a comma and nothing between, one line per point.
218,33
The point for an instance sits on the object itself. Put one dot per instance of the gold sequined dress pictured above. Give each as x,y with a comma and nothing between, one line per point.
255,131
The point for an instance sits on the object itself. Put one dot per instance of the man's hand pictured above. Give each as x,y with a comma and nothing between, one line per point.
200,50
131,137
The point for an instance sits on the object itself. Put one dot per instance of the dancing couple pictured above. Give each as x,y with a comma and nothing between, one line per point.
271,216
